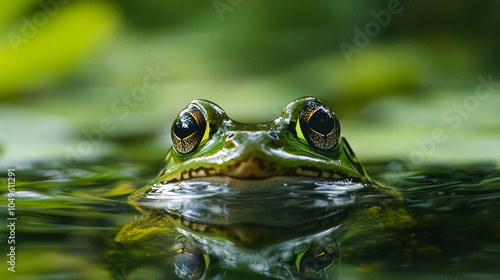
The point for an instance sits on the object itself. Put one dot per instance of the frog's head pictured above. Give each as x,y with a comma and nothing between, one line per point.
304,141
256,182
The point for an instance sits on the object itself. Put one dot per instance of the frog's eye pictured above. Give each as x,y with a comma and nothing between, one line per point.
319,126
316,260
188,130
189,259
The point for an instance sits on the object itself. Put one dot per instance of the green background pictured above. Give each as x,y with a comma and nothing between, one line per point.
67,68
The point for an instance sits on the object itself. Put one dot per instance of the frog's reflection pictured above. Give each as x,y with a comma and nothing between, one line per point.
309,257
305,246
153,241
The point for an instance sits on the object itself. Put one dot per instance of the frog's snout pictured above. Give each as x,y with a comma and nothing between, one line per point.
241,139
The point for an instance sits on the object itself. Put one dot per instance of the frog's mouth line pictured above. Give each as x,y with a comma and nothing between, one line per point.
254,169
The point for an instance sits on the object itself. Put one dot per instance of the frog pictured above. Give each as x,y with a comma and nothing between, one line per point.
291,188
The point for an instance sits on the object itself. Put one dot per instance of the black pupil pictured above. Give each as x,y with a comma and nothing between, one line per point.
185,125
321,122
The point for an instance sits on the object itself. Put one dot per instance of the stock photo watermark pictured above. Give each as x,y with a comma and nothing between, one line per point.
31,26
454,117
223,6
363,37
122,106
11,219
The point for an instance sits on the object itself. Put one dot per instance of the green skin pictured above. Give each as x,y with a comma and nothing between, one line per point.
253,154
258,152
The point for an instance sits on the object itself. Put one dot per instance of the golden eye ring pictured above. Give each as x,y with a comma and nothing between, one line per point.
190,259
188,130
319,126
316,260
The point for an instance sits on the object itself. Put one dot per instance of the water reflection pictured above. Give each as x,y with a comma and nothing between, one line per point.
83,228
308,257
192,255
282,228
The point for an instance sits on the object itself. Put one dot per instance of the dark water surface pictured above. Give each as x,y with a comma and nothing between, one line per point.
68,221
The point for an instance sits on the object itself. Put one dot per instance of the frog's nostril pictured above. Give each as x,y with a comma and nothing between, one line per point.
230,135
273,135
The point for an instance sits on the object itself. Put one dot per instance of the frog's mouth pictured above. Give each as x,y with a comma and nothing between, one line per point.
255,169
260,163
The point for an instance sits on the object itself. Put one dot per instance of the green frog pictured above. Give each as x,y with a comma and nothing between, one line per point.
275,198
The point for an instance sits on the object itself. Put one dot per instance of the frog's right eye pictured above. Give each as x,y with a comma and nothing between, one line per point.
188,129
318,126
189,259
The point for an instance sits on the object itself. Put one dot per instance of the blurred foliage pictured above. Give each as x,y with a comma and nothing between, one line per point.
65,63
40,49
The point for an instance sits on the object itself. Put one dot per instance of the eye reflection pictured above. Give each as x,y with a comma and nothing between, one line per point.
316,260
189,259
195,259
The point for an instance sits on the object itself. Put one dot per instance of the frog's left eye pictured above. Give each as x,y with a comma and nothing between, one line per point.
319,126
188,130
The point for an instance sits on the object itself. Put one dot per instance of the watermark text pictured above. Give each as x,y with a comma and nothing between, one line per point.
11,219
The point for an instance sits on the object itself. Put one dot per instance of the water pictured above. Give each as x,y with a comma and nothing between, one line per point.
69,221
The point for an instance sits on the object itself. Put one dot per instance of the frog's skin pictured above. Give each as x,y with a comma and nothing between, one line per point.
257,151
302,146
